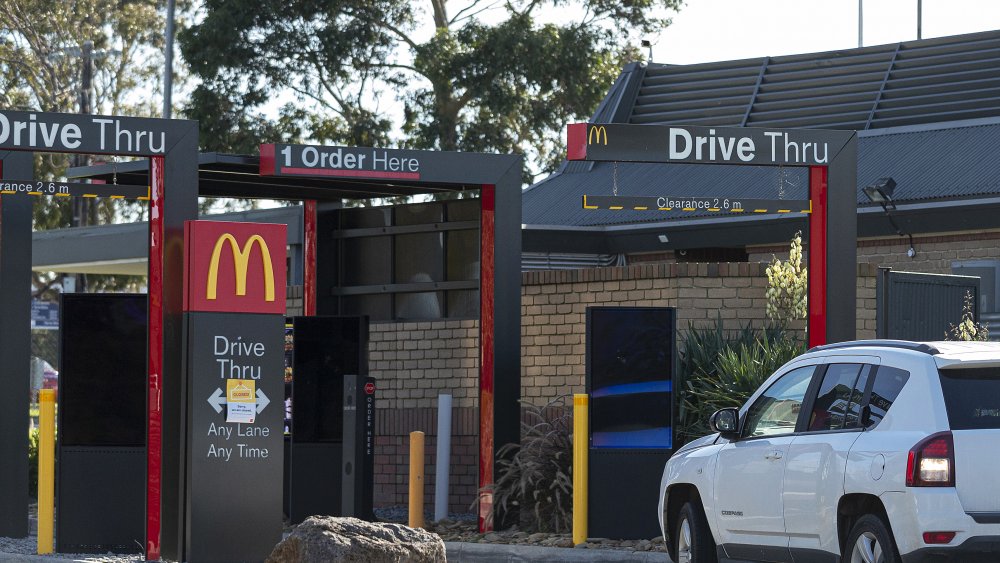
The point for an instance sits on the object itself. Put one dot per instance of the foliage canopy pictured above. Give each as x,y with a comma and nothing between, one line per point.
493,76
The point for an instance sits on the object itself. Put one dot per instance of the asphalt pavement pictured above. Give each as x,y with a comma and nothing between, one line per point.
465,553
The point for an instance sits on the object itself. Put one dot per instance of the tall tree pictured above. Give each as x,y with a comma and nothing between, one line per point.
41,48
495,76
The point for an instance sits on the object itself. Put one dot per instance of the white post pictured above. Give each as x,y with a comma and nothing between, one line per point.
443,465
861,25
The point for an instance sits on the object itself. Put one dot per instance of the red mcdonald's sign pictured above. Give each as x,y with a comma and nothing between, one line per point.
234,267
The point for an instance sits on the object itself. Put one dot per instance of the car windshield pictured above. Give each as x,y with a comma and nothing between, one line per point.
972,397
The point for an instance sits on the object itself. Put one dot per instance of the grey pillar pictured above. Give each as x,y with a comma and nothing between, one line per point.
15,346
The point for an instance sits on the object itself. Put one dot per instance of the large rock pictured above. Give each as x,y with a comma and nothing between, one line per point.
349,540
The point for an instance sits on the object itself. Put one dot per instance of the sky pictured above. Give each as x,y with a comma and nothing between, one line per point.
721,30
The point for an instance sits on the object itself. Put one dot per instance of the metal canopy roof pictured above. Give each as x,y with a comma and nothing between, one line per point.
238,176
925,81
124,248
931,162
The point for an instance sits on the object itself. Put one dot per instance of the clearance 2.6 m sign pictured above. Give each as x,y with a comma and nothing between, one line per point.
705,145
235,267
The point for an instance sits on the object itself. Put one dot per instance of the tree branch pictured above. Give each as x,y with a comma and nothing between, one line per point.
459,16
399,33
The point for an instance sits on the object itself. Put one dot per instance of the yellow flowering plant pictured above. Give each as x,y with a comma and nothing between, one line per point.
787,285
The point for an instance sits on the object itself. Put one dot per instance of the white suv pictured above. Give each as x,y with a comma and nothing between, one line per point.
872,451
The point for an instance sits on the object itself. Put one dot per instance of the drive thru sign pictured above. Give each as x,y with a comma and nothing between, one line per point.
234,300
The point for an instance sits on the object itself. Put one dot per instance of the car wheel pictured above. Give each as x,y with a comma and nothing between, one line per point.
870,542
693,543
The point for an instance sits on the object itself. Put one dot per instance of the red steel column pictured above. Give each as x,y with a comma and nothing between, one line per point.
817,255
309,258
486,342
154,429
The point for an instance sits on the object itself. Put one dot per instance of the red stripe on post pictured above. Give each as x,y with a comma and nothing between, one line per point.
576,141
817,255
309,259
267,160
154,429
487,238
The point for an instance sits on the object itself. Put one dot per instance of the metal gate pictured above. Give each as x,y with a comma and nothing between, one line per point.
921,307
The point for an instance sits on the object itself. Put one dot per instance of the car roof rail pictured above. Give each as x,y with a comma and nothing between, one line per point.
902,344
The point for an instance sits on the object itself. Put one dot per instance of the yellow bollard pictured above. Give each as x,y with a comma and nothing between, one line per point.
46,469
416,479
580,444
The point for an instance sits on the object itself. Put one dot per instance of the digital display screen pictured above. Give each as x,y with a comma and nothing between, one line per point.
630,376
103,370
325,349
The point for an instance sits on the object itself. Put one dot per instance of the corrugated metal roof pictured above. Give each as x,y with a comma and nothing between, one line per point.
930,86
913,82
927,163
950,162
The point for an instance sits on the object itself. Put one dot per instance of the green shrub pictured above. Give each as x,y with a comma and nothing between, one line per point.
33,462
968,329
535,476
720,369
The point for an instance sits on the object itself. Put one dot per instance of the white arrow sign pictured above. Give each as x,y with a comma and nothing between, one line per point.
217,400
262,401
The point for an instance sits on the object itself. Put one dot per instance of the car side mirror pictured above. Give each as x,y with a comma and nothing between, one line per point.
725,421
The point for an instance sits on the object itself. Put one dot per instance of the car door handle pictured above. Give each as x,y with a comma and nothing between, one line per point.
776,454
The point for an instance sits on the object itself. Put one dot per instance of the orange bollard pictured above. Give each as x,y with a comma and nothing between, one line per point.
416,480
46,469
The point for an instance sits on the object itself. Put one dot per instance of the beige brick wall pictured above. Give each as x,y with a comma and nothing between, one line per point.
935,253
554,304
416,361
293,301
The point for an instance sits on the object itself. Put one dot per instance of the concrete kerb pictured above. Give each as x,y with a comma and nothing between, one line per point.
20,558
459,552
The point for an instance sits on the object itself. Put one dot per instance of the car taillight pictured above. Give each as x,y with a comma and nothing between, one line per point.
931,463
938,537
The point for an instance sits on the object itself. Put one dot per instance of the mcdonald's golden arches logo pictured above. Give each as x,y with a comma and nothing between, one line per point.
241,260
234,267
596,134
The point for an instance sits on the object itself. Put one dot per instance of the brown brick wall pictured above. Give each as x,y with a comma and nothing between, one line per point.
392,456
413,363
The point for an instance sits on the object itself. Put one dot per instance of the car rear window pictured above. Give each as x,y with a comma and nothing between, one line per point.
972,397
889,381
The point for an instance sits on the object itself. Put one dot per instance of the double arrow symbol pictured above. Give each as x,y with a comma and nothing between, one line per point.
219,398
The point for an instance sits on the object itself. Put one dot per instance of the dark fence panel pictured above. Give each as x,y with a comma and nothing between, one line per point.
921,307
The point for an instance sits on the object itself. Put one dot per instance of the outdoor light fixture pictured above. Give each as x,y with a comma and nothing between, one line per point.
648,45
881,193
663,238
